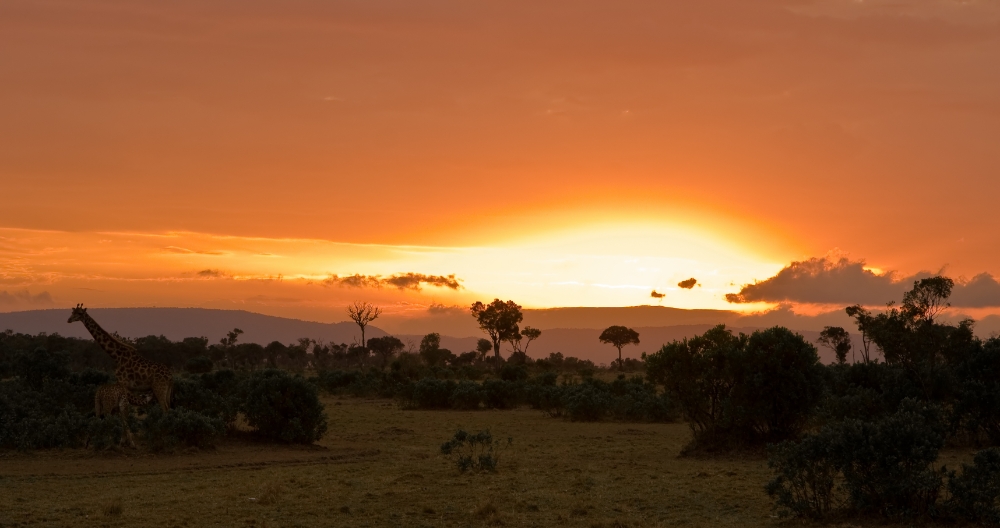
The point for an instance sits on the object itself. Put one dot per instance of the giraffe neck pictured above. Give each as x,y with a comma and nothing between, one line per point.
116,349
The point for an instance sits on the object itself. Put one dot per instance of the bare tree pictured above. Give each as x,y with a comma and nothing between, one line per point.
363,313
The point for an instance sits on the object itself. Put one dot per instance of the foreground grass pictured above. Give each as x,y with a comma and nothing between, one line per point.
380,466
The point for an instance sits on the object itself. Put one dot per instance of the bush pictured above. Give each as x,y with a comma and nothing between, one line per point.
513,372
741,389
500,394
475,451
198,365
805,476
54,416
195,395
179,427
431,393
466,396
283,407
586,402
108,432
975,494
885,465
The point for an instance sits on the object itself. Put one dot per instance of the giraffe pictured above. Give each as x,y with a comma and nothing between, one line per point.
114,398
134,372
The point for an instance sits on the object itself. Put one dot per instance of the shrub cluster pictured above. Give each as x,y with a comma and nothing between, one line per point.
740,390
476,451
283,407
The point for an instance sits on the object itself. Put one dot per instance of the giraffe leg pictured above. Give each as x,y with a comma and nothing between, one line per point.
123,412
163,389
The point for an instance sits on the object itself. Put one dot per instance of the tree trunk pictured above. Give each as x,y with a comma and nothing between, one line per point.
496,355
621,365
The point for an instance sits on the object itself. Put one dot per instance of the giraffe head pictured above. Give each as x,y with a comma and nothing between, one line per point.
78,313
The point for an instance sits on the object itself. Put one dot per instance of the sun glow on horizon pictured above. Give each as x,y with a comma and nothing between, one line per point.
595,264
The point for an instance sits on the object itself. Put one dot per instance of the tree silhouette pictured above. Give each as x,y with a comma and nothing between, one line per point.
483,347
619,336
385,347
837,339
530,334
363,313
499,320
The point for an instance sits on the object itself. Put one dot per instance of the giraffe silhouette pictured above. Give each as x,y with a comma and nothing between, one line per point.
134,372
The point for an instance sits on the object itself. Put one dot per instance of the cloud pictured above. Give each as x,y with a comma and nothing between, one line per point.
186,251
687,284
441,309
24,299
213,273
402,281
657,295
843,281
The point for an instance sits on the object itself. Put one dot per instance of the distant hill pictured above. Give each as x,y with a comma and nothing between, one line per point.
178,323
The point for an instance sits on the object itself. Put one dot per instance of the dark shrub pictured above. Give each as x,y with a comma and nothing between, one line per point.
467,396
107,432
283,407
886,463
195,395
548,398
634,400
804,484
475,451
431,393
198,365
500,394
586,402
866,391
740,389
514,372
179,427
975,493
54,416
37,366
976,410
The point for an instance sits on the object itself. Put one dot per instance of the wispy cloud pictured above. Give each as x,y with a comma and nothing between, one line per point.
402,281
24,299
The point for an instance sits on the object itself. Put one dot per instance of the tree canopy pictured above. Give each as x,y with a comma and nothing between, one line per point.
499,320
619,336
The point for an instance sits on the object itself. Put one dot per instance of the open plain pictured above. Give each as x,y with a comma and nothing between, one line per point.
380,465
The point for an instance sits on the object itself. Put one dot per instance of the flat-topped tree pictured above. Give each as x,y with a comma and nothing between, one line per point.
619,336
499,320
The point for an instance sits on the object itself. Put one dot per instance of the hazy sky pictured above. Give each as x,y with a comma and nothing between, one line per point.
240,154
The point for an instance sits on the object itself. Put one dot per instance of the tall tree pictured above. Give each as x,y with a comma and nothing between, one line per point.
499,320
385,347
619,336
363,313
837,339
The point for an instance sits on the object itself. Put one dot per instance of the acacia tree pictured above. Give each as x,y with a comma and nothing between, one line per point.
499,320
363,313
530,334
619,336
837,339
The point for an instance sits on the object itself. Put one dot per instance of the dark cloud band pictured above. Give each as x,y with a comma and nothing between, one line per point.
402,281
843,281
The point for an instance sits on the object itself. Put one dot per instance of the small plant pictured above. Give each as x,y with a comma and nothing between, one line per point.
112,509
475,451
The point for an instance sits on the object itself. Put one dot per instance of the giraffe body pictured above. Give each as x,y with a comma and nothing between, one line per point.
136,373
115,398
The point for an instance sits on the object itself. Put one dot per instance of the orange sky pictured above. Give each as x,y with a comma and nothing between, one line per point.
516,143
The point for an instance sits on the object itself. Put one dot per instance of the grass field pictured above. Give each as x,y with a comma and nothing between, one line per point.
380,465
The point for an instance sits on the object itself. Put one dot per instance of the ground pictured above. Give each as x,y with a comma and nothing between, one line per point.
380,465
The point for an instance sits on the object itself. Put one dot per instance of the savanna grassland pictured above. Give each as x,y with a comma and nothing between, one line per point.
380,465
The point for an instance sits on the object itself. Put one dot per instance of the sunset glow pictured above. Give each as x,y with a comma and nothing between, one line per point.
202,154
